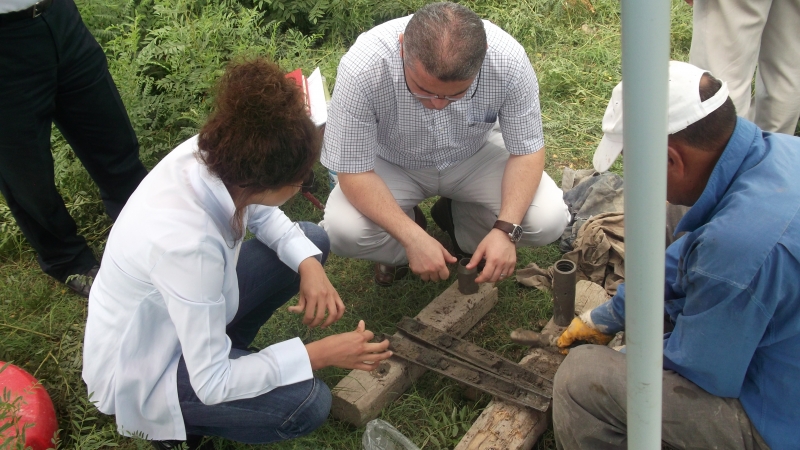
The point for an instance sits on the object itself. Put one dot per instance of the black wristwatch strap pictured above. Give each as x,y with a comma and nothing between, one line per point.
508,227
513,230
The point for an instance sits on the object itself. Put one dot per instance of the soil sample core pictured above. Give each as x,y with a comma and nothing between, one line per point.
466,278
564,279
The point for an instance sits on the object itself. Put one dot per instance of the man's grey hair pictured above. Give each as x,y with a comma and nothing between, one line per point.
447,39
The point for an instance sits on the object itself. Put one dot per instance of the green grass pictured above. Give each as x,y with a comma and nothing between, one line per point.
165,55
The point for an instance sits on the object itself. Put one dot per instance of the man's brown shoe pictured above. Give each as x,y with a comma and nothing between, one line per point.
386,275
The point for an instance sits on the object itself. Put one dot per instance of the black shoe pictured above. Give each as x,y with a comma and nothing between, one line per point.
419,218
166,445
442,215
81,283
193,442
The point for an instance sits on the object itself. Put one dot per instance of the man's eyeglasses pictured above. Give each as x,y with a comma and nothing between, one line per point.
450,98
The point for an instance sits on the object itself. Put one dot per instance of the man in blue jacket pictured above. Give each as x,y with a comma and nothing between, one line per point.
732,289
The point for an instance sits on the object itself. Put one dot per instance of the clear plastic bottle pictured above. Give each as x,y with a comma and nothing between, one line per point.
380,435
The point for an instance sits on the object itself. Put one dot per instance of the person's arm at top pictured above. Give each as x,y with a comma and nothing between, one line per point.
520,181
520,123
351,133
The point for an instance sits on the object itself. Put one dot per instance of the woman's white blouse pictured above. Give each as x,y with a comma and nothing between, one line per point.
167,286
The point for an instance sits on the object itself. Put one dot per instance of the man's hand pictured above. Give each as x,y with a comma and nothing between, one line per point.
579,330
500,255
348,350
428,258
317,295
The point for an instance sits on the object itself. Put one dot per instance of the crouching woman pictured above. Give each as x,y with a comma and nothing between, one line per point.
180,296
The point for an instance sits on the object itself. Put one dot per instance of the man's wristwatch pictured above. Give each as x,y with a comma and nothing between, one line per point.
514,231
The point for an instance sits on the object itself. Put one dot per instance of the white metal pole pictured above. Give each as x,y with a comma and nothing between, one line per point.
645,62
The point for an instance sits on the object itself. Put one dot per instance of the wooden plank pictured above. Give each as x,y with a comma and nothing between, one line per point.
506,426
589,295
360,396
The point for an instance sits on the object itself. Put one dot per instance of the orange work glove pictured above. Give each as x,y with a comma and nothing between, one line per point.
579,330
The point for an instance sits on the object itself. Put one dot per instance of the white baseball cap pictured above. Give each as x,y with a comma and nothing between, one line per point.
685,108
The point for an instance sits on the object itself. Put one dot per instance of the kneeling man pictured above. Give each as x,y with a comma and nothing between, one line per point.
438,103
732,290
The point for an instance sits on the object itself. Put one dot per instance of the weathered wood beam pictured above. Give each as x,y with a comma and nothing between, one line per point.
506,426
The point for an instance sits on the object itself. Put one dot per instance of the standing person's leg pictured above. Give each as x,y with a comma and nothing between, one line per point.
777,101
589,407
265,284
474,185
284,413
89,111
726,38
353,235
28,84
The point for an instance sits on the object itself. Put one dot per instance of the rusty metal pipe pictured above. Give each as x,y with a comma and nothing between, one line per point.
564,279
533,339
466,278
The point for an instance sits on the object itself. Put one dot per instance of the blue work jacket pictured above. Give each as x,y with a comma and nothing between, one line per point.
732,286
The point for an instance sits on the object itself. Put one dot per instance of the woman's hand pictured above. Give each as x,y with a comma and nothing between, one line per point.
348,350
317,295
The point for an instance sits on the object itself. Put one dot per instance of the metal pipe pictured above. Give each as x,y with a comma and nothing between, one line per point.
564,292
533,339
466,278
645,62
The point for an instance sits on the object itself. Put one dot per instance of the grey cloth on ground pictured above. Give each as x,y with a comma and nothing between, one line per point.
587,194
589,412
599,254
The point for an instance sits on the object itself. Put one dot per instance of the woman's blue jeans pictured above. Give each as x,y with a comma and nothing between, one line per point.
265,284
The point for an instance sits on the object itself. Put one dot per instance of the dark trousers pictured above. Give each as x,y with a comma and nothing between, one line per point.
53,71
265,284
590,408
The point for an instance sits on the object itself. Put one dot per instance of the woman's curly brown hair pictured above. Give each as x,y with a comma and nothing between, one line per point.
259,134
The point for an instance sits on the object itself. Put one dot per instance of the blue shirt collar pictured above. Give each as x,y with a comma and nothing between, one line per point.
736,158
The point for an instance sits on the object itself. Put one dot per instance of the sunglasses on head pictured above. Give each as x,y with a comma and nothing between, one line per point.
308,183
306,186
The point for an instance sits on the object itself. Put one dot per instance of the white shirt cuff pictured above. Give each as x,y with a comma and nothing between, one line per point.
294,247
293,361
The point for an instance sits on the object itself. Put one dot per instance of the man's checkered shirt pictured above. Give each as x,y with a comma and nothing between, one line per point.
372,113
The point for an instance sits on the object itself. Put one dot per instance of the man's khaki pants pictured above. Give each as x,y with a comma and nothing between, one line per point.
589,408
474,187
731,37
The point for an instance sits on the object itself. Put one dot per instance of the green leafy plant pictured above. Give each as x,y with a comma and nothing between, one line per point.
85,433
447,429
